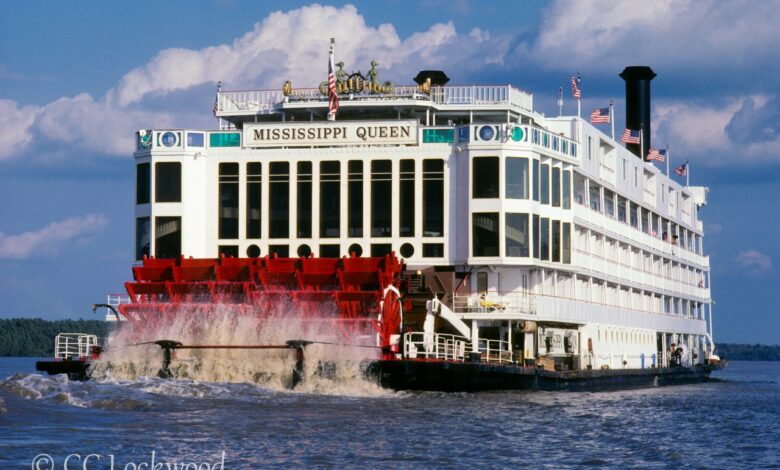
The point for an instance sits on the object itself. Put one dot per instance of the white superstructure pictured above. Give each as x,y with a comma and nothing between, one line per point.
542,237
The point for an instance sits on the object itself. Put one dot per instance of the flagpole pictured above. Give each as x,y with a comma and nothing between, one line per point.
579,114
641,143
687,174
560,101
612,117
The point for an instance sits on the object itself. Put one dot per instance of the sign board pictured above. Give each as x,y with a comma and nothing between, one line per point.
307,134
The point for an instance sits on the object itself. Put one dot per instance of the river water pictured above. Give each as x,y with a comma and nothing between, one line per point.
733,422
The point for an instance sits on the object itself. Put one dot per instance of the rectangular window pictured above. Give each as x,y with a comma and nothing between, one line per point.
536,238
595,197
167,182
330,251
544,183
279,201
609,202
485,233
535,179
590,147
143,187
229,139
484,183
195,139
566,190
228,200
380,249
516,178
544,239
303,213
281,251
556,187
355,198
228,251
556,240
254,199
167,237
633,213
516,240
433,198
406,198
482,282
566,237
330,199
143,236
433,250
381,198
621,208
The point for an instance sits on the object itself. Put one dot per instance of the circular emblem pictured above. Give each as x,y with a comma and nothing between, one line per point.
486,133
168,139
517,134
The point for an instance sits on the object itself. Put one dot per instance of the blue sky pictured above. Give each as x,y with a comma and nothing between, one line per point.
77,78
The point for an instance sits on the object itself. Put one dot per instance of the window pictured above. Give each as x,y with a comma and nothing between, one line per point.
485,232
228,200
254,199
406,199
195,139
355,198
330,251
609,202
142,237
381,198
636,177
536,239
556,187
228,251
544,184
482,282
516,241
484,183
279,202
566,242
330,199
281,251
143,188
433,250
303,195
167,237
556,240
433,198
544,239
380,249
516,178
566,189
595,197
633,214
536,180
621,209
590,146
167,182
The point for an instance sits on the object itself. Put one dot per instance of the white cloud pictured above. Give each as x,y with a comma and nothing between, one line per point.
699,34
50,239
15,125
754,261
285,45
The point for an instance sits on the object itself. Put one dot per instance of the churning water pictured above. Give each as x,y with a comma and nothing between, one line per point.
348,423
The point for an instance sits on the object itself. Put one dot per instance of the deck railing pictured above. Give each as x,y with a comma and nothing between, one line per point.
264,101
74,345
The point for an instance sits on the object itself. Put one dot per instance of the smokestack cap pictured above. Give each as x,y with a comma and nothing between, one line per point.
438,77
637,72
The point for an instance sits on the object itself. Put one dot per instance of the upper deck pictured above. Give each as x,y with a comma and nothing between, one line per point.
233,104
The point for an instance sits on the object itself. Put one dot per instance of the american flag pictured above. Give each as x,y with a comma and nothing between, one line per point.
600,116
682,170
630,136
333,97
657,155
575,87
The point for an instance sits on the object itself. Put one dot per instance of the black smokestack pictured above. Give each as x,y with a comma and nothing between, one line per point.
638,105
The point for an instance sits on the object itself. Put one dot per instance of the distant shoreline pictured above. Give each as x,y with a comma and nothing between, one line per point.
34,337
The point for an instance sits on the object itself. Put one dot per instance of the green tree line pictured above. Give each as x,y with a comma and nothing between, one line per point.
35,337
747,352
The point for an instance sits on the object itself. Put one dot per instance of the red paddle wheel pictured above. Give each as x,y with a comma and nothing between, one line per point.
357,295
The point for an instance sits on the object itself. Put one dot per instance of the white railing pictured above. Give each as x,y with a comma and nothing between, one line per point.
495,350
435,346
74,345
493,302
264,101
